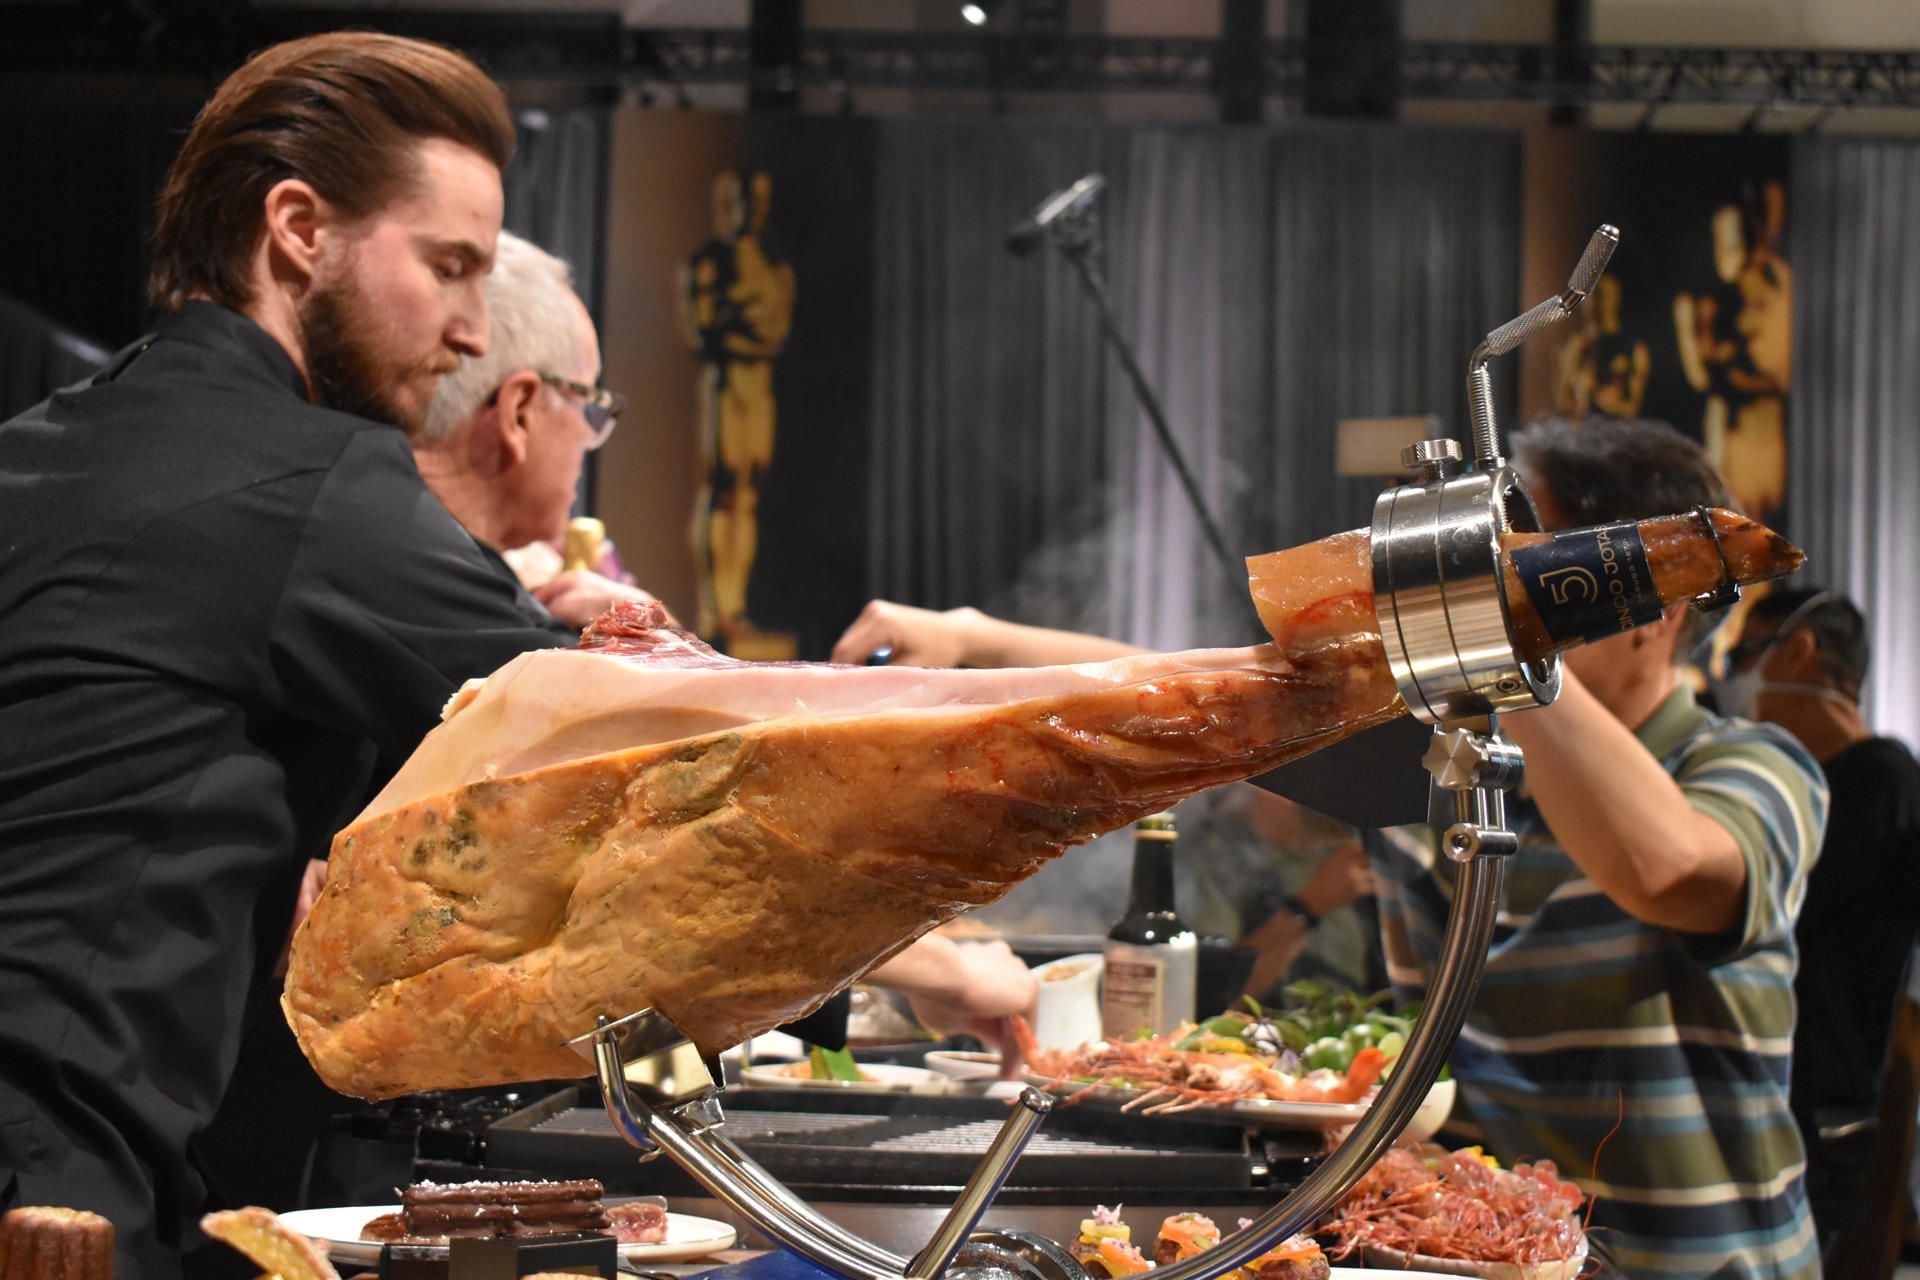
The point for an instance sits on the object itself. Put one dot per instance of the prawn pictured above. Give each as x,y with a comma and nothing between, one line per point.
1169,1079
1458,1207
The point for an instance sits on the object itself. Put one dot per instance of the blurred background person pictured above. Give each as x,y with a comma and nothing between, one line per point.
1293,885
1800,663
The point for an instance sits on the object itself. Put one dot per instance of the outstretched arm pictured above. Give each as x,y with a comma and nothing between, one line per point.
1343,876
966,637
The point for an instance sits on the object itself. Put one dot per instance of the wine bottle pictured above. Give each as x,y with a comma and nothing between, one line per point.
1152,957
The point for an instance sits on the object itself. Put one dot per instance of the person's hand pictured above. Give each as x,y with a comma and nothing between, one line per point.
976,990
311,884
918,637
1342,877
579,596
994,986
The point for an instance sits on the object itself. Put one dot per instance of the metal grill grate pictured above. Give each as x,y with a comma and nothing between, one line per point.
972,1139
884,1144
742,1125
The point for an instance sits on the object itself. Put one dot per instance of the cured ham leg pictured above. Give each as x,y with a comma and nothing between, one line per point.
642,822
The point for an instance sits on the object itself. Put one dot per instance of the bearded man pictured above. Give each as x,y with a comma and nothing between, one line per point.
226,597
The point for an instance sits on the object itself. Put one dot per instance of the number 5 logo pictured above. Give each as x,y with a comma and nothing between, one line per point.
1564,583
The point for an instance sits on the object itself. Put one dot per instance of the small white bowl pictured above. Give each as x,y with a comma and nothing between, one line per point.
1432,1113
1067,1011
1427,1117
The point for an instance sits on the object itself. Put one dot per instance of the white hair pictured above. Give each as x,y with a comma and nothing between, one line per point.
535,326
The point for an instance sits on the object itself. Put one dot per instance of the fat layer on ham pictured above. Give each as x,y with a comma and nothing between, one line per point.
643,822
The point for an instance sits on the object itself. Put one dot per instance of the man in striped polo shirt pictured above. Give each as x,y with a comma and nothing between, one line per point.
1643,958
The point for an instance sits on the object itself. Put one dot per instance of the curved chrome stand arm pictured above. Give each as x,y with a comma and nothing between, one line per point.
673,1109
1462,956
985,1183
681,1119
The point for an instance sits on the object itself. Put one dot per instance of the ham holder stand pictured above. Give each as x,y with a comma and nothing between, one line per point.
1438,591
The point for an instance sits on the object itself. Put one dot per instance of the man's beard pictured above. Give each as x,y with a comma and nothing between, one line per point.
346,344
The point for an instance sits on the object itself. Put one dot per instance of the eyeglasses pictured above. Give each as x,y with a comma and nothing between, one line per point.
599,406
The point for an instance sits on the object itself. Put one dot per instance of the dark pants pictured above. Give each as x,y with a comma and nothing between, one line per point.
1836,1169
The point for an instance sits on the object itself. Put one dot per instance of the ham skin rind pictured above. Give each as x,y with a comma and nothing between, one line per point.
644,823
735,879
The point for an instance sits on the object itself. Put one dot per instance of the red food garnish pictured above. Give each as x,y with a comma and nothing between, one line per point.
1455,1206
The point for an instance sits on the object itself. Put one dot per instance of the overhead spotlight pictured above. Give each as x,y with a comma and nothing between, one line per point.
976,14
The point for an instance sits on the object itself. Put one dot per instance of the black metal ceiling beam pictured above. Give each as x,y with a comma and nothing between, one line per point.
594,49
1428,69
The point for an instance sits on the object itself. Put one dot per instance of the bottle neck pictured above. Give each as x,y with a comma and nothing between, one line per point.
1152,888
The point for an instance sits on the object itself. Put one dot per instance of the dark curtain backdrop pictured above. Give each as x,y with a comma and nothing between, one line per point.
38,356
1854,417
75,234
1274,282
81,177
556,196
556,189
988,419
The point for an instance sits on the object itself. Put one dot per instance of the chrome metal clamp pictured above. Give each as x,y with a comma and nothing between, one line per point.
1441,599
1440,593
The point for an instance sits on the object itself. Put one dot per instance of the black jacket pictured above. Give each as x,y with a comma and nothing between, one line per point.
223,613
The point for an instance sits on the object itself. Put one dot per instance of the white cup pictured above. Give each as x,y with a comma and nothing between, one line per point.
1067,1012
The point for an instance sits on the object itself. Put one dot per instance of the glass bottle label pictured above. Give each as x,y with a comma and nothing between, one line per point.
1132,991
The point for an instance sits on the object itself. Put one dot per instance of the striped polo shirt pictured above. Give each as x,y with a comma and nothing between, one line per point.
1584,1010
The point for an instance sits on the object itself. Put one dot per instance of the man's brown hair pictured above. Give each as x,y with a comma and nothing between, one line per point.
341,111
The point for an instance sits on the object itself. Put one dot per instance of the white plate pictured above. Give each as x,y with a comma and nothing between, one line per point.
687,1236
887,1078
960,1064
768,1046
1254,1111
1270,1114
1566,1269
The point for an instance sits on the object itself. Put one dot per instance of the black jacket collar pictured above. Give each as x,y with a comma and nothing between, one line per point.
219,328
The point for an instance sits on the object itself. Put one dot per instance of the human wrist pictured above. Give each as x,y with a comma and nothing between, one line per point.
981,638
1306,913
